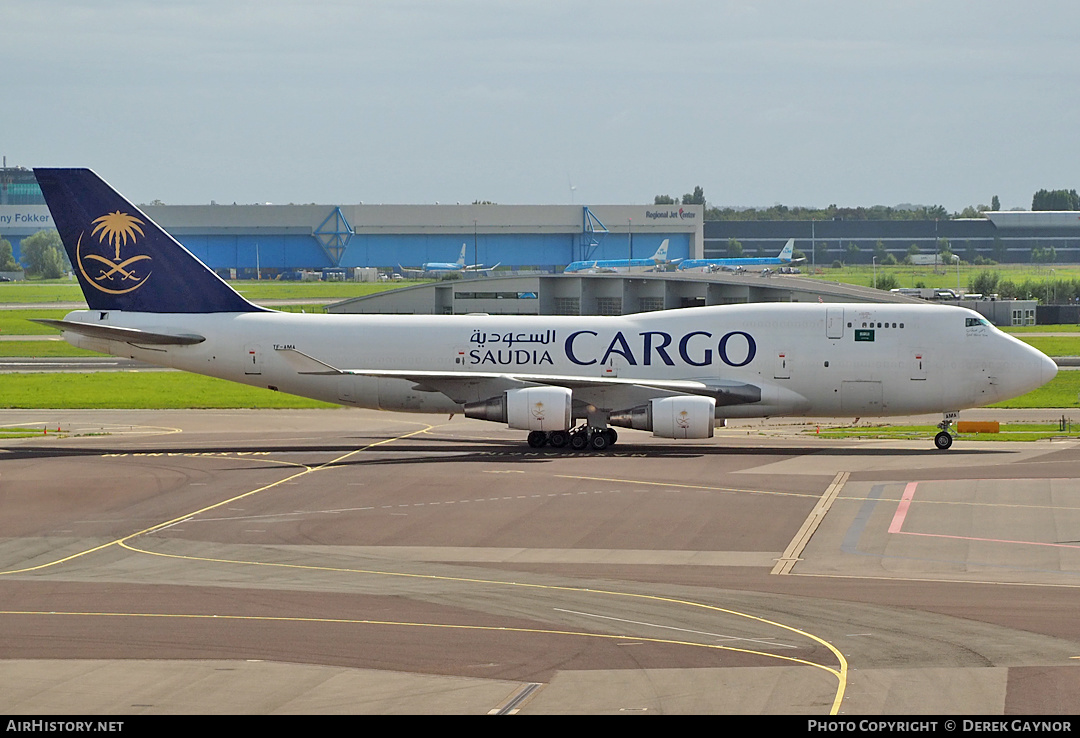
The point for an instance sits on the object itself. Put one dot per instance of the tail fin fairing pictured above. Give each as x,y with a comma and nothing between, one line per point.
123,259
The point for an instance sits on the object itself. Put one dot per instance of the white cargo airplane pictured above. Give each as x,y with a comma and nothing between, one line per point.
676,373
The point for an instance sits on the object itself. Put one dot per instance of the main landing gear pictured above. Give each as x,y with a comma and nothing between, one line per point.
578,439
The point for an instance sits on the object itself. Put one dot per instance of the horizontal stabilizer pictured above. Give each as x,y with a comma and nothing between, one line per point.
127,335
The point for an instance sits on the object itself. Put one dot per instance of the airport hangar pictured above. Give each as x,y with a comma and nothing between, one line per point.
250,241
246,241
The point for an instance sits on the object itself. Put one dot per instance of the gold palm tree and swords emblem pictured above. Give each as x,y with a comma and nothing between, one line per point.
117,275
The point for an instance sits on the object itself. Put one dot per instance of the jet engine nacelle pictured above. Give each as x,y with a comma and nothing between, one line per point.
689,416
530,408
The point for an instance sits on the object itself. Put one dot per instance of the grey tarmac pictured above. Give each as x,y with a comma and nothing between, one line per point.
349,561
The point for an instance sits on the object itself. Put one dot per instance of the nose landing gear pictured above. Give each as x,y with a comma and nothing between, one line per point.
943,440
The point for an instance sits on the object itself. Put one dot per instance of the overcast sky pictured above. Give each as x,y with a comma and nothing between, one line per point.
548,101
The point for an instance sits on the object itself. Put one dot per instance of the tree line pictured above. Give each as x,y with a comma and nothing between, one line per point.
1047,291
41,255
1042,200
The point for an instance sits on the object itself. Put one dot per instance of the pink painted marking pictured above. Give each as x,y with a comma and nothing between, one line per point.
905,504
902,508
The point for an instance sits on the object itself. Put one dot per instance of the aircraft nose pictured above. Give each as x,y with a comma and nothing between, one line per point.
1048,368
1042,367
1029,368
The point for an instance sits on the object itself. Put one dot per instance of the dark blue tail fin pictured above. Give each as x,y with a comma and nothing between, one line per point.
124,260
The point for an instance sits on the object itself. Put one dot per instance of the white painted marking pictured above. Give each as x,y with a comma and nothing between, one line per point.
719,636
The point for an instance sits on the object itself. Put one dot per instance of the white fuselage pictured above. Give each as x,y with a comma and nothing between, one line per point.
807,359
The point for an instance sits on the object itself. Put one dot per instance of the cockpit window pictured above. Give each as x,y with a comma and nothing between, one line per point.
970,322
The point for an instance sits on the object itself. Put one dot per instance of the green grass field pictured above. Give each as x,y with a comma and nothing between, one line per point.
1061,391
36,292
1009,432
138,390
944,277
40,291
16,322
1066,328
1053,345
41,349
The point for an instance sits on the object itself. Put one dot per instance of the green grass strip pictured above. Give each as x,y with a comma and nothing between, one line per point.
138,390
1062,391
1053,345
40,291
1063,328
64,291
42,349
17,322
1009,432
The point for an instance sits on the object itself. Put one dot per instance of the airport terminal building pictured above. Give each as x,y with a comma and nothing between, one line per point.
1002,236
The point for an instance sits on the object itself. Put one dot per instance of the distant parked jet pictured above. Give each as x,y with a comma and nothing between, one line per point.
435,268
784,258
651,264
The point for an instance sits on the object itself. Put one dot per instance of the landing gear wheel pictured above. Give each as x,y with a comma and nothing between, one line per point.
599,441
558,439
612,436
579,442
942,440
538,439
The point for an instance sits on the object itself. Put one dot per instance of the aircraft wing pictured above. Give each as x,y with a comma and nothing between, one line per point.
604,392
127,335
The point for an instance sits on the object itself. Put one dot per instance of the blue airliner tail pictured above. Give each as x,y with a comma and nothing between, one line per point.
124,260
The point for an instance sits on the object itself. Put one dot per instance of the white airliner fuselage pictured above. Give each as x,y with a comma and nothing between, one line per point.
803,359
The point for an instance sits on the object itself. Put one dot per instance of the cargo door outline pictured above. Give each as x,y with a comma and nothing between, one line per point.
834,323
862,397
